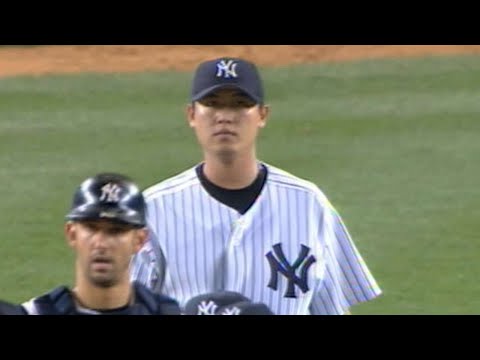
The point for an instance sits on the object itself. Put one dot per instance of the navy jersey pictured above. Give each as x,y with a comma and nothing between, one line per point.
60,301
7,308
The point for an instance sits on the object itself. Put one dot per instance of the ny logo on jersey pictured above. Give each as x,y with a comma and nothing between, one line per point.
226,69
280,264
110,192
207,308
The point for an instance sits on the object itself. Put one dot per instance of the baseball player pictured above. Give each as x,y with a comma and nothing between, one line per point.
105,227
233,222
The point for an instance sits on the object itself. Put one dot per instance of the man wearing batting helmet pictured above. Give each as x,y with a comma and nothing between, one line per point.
105,227
235,223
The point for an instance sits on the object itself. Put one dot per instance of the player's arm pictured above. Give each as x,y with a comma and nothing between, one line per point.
148,265
347,279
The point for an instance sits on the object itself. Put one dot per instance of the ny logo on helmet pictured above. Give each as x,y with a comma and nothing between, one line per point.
207,308
110,193
232,311
226,69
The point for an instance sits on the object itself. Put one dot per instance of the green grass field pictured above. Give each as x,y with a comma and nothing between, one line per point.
392,143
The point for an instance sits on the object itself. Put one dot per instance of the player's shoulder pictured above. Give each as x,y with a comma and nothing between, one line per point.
8,308
175,183
284,179
56,300
157,303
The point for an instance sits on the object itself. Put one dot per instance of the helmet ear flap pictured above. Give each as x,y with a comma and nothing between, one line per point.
108,196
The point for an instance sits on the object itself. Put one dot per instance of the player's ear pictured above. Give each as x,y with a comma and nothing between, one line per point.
140,239
190,112
70,234
264,111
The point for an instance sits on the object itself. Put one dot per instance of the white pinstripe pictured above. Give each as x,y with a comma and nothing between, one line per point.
209,246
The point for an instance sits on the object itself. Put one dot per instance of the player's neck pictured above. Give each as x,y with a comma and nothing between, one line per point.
94,297
236,173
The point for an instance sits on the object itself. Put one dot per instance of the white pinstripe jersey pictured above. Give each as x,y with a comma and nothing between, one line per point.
198,245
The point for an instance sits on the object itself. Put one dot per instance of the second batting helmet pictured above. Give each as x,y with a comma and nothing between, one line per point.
108,196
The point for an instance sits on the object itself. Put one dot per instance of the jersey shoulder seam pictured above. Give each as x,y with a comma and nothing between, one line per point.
171,185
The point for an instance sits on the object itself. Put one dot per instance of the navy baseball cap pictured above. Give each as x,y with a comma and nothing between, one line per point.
227,72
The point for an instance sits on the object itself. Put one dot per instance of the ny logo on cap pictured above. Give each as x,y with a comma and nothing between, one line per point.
110,192
226,69
207,308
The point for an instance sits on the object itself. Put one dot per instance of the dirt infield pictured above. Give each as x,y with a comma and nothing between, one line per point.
43,60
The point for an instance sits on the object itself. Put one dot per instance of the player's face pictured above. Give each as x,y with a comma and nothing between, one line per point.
227,121
104,250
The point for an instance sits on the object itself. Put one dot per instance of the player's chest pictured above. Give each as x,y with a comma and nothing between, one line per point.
272,259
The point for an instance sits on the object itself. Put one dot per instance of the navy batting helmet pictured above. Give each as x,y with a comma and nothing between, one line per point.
108,196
